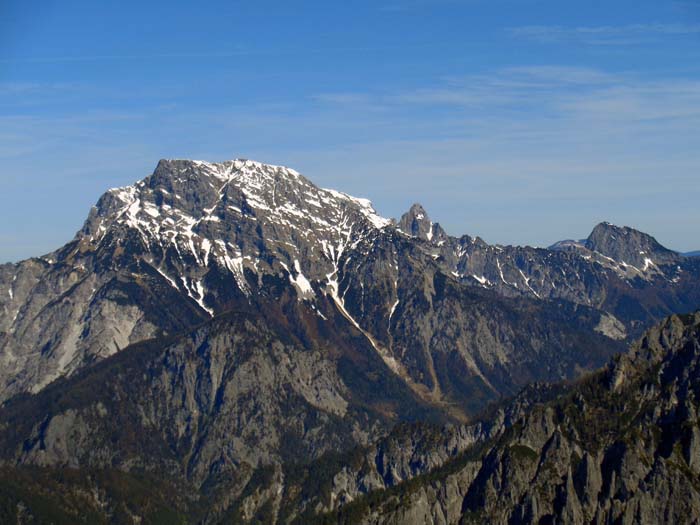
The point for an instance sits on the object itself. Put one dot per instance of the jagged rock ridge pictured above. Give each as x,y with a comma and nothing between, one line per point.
196,239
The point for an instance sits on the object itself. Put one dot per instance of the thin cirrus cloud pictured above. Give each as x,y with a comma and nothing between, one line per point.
412,5
516,88
543,110
604,35
544,91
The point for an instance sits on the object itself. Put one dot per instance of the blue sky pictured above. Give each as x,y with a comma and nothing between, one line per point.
523,122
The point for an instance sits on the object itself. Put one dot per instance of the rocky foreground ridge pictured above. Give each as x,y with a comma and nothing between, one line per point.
621,445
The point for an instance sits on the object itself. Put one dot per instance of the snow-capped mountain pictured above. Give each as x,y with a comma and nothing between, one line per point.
197,239
235,216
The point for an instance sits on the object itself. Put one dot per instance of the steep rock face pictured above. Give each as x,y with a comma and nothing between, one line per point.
339,486
243,390
458,343
63,316
280,383
620,446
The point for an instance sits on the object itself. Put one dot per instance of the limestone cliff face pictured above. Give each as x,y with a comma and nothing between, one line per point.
621,446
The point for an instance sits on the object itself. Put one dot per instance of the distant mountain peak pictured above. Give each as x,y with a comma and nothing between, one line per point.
567,244
605,227
416,223
182,191
625,244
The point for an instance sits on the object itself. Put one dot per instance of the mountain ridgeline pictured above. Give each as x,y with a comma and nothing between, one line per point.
229,342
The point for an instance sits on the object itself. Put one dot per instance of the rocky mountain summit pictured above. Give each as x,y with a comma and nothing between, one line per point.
217,332
630,246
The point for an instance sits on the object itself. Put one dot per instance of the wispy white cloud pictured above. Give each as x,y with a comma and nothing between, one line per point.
58,59
516,87
528,94
655,104
397,6
343,98
604,35
13,90
581,93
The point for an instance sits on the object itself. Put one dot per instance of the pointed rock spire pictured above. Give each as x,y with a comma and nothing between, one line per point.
416,223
